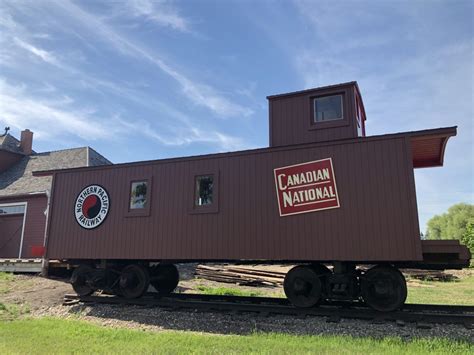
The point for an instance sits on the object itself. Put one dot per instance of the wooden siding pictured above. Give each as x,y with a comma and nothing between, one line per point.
35,225
377,220
291,118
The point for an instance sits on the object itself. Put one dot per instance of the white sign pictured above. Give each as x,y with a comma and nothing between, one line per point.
92,206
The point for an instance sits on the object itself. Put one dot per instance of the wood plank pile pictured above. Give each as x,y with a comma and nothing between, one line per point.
241,275
428,275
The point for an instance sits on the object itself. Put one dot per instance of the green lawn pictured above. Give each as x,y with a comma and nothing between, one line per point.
227,291
459,292
438,292
6,280
52,336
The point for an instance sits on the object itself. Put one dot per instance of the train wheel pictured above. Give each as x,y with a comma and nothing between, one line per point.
164,278
79,280
302,286
134,281
384,288
322,270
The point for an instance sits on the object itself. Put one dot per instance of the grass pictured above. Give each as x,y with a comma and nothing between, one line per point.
227,291
6,279
459,292
12,311
9,311
52,336
438,292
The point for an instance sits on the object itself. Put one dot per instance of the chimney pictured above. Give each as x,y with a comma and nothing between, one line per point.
26,142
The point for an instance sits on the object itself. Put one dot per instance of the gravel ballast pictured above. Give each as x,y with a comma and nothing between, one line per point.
157,319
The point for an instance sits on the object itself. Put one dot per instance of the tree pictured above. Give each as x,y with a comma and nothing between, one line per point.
468,237
451,225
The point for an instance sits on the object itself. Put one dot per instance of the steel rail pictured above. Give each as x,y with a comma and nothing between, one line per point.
418,313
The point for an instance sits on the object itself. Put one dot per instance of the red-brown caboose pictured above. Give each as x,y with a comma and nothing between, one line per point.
322,194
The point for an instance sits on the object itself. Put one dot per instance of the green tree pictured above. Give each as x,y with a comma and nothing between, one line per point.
468,238
452,224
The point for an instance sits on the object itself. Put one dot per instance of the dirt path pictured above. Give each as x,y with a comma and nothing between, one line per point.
37,292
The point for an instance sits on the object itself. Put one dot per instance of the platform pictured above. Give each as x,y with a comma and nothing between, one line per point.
21,265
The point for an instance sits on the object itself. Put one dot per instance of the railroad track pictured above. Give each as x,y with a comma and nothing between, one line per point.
421,314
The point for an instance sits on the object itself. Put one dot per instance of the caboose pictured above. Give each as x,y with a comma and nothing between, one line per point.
323,196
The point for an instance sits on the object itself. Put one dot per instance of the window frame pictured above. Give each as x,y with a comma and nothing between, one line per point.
325,97
214,206
344,121
139,212
15,204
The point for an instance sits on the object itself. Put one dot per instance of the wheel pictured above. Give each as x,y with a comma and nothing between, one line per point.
384,288
302,286
323,273
164,278
80,280
321,270
134,281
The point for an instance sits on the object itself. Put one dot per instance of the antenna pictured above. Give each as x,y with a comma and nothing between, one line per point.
6,131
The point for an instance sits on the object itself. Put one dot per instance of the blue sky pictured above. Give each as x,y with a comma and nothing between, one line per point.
144,79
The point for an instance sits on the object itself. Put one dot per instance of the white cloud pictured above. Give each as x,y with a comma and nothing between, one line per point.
161,12
48,118
41,53
200,94
183,134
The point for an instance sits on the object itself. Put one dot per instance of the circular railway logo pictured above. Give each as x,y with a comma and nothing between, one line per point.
91,207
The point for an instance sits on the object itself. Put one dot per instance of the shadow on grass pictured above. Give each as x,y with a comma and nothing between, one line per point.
194,320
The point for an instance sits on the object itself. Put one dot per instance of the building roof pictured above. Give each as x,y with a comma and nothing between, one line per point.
20,180
10,144
306,91
434,140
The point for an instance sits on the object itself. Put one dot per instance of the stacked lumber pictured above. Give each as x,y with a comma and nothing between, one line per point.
428,275
252,276
241,275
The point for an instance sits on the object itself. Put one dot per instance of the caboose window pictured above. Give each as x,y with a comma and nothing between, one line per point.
138,195
328,108
204,193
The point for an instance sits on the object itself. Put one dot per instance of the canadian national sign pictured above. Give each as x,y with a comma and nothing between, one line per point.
92,206
306,187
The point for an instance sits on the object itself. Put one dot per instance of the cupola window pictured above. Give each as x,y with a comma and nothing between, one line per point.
328,108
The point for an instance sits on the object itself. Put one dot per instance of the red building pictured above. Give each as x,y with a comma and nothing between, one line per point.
24,198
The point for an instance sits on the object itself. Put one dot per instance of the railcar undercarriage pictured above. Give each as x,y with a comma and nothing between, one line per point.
381,287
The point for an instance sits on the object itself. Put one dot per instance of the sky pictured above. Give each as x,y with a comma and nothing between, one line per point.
141,79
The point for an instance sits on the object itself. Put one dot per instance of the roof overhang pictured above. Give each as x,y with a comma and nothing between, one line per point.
434,139
428,146
23,196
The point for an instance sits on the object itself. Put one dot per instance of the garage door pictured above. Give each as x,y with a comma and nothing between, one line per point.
11,228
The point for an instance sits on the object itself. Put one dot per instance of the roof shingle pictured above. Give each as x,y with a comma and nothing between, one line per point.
20,180
10,143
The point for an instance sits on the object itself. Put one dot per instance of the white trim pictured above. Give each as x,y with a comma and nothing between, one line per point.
87,156
24,221
23,230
